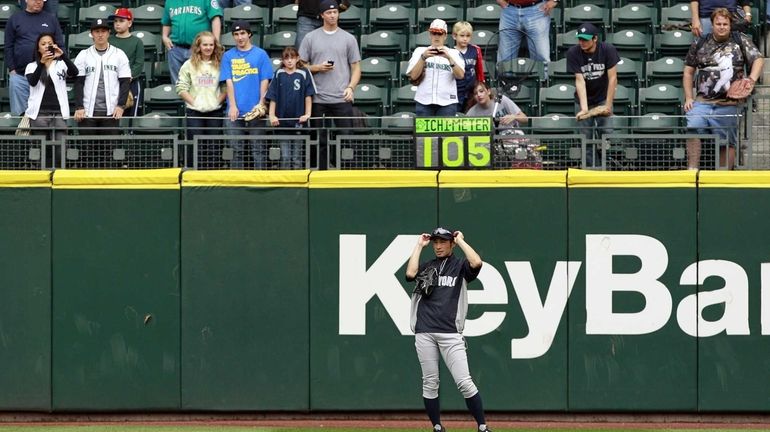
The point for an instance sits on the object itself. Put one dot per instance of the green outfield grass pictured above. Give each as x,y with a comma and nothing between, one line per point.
213,428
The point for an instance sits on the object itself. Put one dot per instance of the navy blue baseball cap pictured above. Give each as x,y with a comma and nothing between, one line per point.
442,233
328,5
587,31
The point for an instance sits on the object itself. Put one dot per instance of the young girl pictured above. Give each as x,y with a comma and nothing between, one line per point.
508,113
48,107
290,95
200,88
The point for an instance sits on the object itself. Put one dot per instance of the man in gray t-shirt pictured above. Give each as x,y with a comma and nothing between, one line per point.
333,57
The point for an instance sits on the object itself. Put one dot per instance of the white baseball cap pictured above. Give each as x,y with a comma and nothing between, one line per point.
438,25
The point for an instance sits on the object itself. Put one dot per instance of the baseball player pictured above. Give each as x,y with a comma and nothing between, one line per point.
439,305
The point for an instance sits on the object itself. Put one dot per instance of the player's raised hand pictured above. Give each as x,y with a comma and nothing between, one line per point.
423,240
459,236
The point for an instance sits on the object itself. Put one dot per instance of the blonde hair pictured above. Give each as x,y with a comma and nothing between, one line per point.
196,58
462,25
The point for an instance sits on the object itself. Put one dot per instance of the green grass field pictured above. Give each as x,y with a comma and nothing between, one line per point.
124,428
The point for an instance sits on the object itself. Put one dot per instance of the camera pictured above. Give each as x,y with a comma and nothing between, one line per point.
331,62
51,49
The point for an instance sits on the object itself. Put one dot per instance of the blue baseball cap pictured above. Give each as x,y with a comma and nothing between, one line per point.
587,31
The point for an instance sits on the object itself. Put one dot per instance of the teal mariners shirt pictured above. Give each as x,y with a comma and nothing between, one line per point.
187,18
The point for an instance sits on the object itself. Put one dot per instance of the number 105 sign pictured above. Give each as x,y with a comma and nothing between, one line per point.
453,142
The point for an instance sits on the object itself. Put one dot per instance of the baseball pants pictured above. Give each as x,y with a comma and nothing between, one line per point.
450,347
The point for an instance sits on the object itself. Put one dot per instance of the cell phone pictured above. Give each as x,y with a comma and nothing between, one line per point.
51,49
331,62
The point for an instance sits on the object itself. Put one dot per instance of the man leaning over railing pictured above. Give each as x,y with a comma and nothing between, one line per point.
719,59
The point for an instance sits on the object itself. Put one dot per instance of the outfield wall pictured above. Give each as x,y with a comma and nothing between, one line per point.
283,291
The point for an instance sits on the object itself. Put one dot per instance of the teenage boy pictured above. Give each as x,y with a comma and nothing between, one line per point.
462,32
133,47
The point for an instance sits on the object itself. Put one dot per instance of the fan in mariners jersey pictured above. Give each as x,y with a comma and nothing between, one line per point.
439,305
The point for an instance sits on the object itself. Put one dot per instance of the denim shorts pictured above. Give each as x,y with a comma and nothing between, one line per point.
704,118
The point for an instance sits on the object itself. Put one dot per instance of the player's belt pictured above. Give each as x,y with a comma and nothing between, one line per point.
524,4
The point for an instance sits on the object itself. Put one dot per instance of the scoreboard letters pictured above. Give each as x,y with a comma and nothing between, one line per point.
453,142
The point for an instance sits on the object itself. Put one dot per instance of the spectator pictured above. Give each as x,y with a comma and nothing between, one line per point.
308,17
199,86
435,69
101,88
247,71
48,107
21,34
711,111
701,13
530,18
334,60
182,21
462,32
596,79
291,101
50,6
133,47
505,111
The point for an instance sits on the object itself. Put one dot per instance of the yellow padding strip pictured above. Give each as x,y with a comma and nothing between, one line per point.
502,178
25,178
631,179
288,178
372,179
735,179
110,179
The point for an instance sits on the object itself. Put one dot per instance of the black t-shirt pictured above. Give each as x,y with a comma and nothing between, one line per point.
443,311
594,69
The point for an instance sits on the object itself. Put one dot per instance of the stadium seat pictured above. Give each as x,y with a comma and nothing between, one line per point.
393,17
403,121
656,123
255,15
5,99
631,44
353,20
488,41
402,98
383,43
87,14
521,71
450,14
600,3
380,3
423,39
625,101
147,18
557,73
377,71
635,17
8,123
558,99
163,98
554,123
156,123
564,41
160,73
483,17
276,62
527,99
662,98
667,70
151,43
630,72
285,18
676,14
6,10
78,42
67,19
590,13
673,43
370,99
275,43
459,4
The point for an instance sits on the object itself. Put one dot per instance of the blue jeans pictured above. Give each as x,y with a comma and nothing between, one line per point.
705,25
701,119
304,26
530,22
421,110
18,91
232,3
258,149
176,58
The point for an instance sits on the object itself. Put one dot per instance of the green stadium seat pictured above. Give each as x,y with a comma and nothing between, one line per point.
600,3
160,73
667,70
564,41
448,13
88,14
635,17
151,42
676,14
631,44
402,98
662,98
370,99
147,18
256,16
483,17
275,43
558,99
554,123
630,72
67,19
163,98
393,17
673,43
8,123
5,99
625,101
488,41
658,123
78,42
276,62
527,99
400,120
377,71
574,16
353,20
6,10
523,71
383,43
157,123
423,39
285,18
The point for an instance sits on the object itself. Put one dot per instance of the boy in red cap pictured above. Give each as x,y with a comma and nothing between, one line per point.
134,49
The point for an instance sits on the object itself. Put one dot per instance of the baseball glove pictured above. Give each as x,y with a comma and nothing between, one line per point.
740,89
597,111
258,111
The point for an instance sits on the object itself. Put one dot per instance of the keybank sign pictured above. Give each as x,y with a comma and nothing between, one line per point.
359,284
